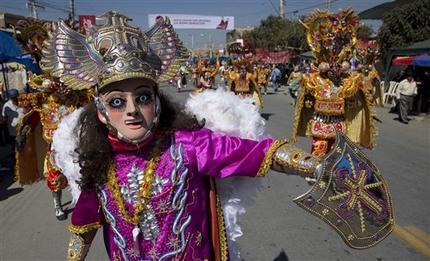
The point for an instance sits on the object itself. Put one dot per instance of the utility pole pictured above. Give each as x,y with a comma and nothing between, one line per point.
328,4
281,8
72,9
210,45
33,6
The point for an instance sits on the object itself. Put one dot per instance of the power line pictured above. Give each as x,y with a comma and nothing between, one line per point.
52,6
310,7
273,6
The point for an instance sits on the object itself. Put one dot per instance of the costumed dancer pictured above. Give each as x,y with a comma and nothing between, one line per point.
243,81
367,55
293,83
45,108
195,74
181,80
333,98
263,75
46,104
206,77
146,170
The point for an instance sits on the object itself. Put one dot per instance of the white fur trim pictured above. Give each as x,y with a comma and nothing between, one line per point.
227,113
64,143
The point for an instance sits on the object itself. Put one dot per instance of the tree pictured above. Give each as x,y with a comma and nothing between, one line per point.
404,26
365,32
275,33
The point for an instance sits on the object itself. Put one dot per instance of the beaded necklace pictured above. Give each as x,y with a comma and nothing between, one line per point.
145,190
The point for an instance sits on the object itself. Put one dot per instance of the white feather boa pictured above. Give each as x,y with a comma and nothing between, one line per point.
64,143
227,113
224,112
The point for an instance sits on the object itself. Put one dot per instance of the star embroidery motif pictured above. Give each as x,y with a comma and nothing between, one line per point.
358,195
133,252
199,239
153,253
163,206
115,256
173,242
158,184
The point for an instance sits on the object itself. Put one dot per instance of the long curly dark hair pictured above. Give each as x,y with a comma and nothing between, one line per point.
94,149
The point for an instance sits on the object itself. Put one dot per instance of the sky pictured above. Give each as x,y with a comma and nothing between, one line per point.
247,13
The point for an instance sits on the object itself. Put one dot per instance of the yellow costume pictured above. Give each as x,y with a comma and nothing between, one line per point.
45,109
206,77
367,53
243,81
334,98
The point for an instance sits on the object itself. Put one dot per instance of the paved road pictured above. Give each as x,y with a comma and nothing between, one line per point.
275,228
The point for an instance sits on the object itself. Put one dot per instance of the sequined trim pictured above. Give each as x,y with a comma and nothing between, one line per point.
223,246
118,238
267,161
84,229
76,248
178,176
296,159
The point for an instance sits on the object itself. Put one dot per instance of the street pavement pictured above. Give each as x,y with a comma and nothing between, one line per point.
274,228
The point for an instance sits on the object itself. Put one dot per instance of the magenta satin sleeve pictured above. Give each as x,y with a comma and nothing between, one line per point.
222,156
87,212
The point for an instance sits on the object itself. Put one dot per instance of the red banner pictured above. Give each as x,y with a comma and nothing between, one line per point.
275,57
86,22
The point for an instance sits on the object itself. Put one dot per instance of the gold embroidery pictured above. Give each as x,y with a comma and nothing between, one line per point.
222,234
267,161
296,159
76,248
84,229
144,191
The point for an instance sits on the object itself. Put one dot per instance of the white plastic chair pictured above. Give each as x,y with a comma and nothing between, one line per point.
390,95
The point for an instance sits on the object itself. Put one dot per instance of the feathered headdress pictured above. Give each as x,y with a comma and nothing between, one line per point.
331,36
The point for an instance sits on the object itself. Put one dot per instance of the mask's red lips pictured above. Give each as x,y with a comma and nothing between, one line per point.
134,124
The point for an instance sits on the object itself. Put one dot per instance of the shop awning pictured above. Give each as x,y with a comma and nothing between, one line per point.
422,60
403,60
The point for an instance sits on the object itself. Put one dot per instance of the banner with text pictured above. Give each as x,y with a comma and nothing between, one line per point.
87,21
181,21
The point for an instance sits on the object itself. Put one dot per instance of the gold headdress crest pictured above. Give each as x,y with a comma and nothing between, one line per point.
367,51
32,34
331,36
246,62
112,52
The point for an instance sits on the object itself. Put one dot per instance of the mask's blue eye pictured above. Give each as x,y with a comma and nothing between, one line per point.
144,98
116,102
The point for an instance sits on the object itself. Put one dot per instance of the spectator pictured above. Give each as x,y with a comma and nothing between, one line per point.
294,83
3,125
275,78
12,114
405,94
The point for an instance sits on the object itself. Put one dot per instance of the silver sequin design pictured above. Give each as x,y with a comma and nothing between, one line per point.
130,192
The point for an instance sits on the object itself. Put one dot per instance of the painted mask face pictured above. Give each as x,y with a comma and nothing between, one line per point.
130,107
